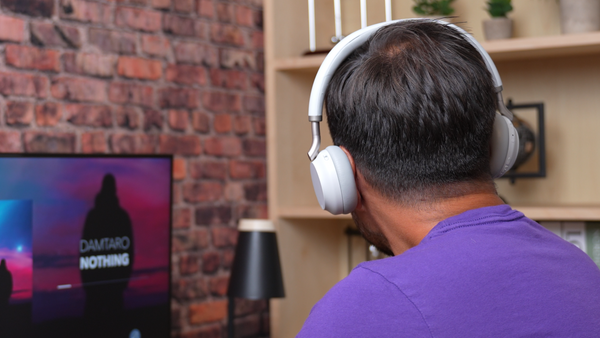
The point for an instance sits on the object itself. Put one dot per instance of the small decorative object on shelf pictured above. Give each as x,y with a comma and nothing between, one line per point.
433,8
499,26
579,16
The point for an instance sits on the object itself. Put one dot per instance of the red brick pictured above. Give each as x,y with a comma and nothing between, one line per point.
113,41
47,114
241,124
210,262
89,64
46,34
188,289
19,113
11,29
186,74
139,68
155,45
152,118
224,237
49,142
130,93
255,148
240,169
161,4
223,146
94,142
184,6
258,19
84,11
249,325
213,215
43,8
181,145
207,312
260,61
244,16
218,285
51,35
23,85
128,117
234,58
253,211
208,169
258,40
225,12
200,54
257,81
188,265
179,25
230,79
254,104
176,193
182,218
194,240
247,306
179,169
259,126
228,256
178,98
88,115
78,89
178,119
200,122
227,34
221,102
71,35
255,191
32,58
234,191
10,142
222,123
137,18
132,143
206,8
202,192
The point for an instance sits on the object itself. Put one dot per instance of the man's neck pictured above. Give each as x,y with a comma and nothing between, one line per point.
405,226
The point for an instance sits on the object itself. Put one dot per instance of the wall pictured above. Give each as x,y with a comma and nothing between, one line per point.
181,77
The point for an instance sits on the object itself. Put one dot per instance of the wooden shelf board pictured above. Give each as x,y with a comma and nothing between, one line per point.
499,50
538,213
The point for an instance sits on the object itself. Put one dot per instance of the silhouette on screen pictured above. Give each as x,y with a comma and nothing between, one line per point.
105,257
6,288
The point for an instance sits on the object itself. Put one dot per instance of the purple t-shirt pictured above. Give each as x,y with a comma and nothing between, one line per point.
488,272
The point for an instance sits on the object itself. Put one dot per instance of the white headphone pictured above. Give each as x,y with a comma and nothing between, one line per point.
330,169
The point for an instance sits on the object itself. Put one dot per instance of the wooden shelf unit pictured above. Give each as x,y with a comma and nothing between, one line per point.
539,65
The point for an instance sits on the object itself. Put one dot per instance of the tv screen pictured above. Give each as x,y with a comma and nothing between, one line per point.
85,246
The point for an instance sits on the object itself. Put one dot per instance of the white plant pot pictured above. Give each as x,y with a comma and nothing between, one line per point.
579,16
497,28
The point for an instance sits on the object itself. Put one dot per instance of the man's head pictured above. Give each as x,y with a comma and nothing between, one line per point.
414,106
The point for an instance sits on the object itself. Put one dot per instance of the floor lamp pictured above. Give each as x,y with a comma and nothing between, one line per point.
256,270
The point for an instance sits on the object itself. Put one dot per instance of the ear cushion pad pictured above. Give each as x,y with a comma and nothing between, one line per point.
333,181
505,146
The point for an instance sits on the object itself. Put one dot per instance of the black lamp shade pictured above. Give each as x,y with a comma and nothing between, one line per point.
256,270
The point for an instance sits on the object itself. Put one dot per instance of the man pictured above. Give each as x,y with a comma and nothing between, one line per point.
413,110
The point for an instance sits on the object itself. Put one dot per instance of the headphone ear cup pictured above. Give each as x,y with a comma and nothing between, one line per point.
333,181
505,146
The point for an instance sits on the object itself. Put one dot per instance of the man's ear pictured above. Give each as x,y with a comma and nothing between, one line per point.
353,165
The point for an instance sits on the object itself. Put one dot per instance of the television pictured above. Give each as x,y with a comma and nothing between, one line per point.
85,244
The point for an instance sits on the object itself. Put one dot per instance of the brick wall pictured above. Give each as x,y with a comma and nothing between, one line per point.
183,77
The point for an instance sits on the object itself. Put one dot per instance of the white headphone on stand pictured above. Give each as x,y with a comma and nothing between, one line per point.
330,169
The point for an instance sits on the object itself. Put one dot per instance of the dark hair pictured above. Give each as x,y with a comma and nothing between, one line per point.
415,106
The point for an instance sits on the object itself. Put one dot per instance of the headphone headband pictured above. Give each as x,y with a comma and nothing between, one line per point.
344,48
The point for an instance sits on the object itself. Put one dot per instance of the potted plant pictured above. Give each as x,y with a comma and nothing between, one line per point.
433,8
578,16
499,26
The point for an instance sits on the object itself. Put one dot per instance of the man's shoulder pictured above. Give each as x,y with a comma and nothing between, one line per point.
364,304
